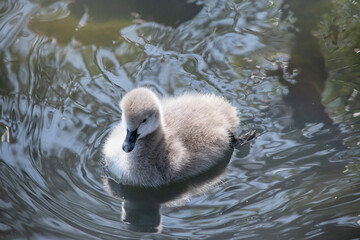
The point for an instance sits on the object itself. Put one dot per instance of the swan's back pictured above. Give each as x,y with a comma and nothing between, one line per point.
203,122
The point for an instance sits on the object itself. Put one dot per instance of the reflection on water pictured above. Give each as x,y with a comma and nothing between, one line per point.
141,205
290,69
81,20
306,67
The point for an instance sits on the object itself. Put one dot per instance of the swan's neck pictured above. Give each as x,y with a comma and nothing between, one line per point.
152,144
149,160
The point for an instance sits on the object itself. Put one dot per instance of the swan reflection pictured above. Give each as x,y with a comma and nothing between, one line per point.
141,205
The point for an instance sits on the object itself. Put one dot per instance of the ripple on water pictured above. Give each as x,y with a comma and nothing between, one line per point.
59,100
54,11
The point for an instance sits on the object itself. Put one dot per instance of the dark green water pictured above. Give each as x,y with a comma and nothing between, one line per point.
292,68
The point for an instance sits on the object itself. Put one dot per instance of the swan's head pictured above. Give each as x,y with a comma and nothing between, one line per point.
141,115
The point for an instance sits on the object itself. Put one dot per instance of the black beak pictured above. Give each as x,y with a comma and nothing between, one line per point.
130,140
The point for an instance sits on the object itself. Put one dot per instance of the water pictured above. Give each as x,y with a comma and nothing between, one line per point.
291,69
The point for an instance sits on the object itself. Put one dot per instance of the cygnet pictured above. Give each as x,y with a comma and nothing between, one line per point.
163,140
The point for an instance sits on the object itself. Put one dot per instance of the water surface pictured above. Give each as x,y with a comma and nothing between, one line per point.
291,68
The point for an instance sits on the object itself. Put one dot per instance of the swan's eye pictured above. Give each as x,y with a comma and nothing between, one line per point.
144,120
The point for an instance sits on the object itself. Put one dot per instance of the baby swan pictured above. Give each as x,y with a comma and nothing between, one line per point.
163,140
